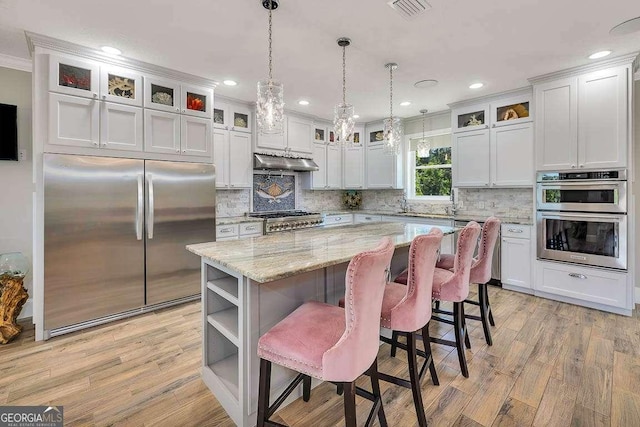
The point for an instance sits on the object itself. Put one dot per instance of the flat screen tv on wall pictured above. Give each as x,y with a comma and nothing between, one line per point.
8,132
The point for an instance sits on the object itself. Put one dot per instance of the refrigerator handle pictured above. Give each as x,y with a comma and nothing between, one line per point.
150,218
140,208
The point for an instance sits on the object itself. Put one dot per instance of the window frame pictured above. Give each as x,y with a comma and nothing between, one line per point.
411,167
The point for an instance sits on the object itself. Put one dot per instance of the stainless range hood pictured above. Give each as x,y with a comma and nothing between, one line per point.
264,161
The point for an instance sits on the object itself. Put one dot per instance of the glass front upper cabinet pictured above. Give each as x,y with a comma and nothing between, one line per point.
73,77
470,118
511,111
163,95
197,101
231,117
320,134
121,86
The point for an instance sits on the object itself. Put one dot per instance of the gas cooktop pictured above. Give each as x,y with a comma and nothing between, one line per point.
288,220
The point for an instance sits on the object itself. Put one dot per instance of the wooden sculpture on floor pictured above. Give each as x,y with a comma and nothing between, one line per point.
13,295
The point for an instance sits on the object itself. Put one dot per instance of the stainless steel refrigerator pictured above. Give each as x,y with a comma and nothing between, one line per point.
115,232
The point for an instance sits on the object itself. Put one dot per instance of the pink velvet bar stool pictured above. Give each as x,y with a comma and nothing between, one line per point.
332,343
407,310
453,286
480,273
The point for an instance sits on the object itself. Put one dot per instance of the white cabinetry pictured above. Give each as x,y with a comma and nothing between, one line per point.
232,116
516,256
121,127
295,140
331,220
161,94
383,170
353,167
471,159
232,158
195,136
120,85
582,122
512,155
162,132
360,218
238,231
329,174
493,143
72,76
74,121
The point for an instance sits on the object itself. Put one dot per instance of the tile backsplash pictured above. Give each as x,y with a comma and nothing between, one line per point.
232,202
510,202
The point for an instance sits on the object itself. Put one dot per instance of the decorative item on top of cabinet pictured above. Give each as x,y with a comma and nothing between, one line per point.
511,111
73,76
470,118
230,116
197,101
161,94
121,86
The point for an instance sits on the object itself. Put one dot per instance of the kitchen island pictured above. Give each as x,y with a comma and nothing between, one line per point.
250,285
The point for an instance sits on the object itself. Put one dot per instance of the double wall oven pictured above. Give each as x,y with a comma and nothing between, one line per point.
582,217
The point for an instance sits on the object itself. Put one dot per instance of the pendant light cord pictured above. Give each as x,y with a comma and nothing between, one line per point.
391,93
270,34
344,75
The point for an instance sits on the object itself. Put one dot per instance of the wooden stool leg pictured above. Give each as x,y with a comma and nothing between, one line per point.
463,323
375,387
264,389
339,389
484,317
426,341
459,329
486,298
306,388
394,339
414,376
350,404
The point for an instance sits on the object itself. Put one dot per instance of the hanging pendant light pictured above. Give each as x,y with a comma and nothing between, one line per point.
423,145
343,121
392,125
270,103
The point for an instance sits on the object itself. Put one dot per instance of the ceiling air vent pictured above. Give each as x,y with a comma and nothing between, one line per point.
409,9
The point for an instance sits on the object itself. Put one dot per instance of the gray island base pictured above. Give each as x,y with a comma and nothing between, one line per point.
250,285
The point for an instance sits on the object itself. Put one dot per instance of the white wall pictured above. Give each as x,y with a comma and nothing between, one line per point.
16,177
636,147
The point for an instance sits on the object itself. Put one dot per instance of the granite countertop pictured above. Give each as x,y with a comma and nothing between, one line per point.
280,255
460,217
229,220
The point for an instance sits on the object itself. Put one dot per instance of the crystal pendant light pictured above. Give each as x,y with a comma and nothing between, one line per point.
423,145
343,121
270,103
392,131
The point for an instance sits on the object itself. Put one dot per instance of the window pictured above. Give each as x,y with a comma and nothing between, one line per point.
430,175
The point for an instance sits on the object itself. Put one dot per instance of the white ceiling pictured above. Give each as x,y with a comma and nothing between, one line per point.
457,42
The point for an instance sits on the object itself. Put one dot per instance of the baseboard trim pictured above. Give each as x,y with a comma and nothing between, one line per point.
27,309
637,295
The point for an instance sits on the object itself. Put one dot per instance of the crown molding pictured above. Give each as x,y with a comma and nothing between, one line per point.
630,59
15,63
44,42
427,116
523,91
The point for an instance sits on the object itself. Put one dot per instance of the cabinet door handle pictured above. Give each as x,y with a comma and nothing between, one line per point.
573,166
253,227
578,275
151,213
581,166
515,230
226,230
339,218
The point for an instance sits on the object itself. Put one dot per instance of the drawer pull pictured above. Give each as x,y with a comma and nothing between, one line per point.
515,230
226,230
578,275
339,218
253,227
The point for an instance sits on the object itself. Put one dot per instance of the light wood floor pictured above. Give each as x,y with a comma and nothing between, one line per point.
552,364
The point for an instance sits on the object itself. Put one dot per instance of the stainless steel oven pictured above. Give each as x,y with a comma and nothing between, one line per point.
582,217
600,191
583,238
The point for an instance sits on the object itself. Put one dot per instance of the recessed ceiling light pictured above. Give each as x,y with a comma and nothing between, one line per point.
111,50
230,82
405,103
303,102
627,27
355,116
600,54
425,84
476,85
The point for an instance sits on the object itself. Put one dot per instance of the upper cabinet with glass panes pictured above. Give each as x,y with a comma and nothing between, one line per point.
511,111
121,86
197,101
163,95
231,116
470,118
73,76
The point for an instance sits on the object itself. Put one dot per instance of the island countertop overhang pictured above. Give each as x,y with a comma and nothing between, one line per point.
285,254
